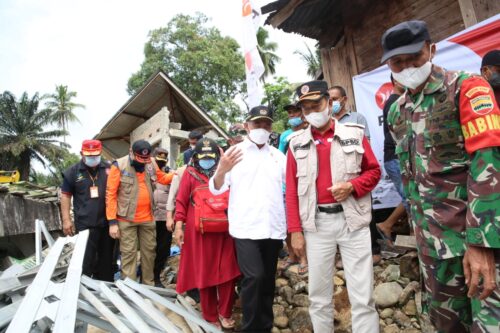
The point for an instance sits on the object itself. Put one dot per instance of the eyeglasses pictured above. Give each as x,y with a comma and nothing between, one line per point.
238,132
209,155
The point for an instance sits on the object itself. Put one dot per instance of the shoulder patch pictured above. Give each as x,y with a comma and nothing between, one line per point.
482,104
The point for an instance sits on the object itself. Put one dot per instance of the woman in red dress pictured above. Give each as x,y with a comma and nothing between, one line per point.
208,260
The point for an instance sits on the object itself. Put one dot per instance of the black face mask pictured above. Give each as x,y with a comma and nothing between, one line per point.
138,166
161,164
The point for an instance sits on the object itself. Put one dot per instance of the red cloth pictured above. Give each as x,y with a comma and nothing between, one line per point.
217,301
206,260
363,184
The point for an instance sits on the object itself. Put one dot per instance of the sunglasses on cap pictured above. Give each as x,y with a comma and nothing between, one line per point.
209,155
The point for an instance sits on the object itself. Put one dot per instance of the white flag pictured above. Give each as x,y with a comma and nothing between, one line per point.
254,68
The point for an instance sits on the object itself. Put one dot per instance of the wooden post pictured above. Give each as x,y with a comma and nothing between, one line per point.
468,12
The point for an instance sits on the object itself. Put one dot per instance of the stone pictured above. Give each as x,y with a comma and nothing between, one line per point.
377,270
393,328
278,300
409,290
386,313
287,293
280,282
391,273
299,320
300,287
416,325
281,322
275,330
286,330
389,321
410,308
301,300
401,319
387,294
338,281
340,274
403,281
408,266
411,330
278,310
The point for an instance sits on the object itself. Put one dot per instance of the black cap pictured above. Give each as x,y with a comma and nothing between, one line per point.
195,134
206,146
405,38
142,151
312,91
160,154
491,58
260,112
291,107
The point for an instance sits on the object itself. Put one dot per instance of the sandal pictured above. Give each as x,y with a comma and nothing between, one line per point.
387,239
284,266
303,269
227,323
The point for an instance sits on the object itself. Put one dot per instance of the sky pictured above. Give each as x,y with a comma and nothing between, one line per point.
93,47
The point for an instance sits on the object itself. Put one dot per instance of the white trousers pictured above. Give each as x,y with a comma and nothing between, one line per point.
355,248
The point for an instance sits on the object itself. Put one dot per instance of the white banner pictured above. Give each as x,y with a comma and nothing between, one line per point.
254,68
462,51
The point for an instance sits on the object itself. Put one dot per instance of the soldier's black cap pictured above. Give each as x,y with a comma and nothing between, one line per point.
142,151
312,91
491,58
260,112
404,38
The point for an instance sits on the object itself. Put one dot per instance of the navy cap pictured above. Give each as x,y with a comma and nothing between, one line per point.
405,38
491,58
312,91
260,112
142,151
291,107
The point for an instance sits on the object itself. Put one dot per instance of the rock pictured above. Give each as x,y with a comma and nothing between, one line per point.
416,325
389,321
411,330
405,295
286,330
403,281
377,270
401,319
300,287
410,308
408,266
340,274
391,273
278,310
275,330
299,320
301,300
387,294
281,322
287,293
280,282
391,329
338,281
386,313
278,300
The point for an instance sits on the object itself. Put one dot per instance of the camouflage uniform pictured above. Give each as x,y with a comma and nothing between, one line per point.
448,139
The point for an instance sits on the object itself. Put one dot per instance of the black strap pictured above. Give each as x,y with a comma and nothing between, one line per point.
331,210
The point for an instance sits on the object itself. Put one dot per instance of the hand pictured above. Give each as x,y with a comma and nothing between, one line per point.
114,231
341,191
479,262
298,244
179,234
68,228
170,224
231,157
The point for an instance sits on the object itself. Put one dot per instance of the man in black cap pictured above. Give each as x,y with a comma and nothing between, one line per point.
330,173
193,138
254,171
447,141
490,69
130,206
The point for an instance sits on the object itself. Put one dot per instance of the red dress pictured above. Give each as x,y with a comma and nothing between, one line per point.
206,259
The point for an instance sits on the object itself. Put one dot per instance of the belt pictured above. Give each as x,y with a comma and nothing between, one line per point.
331,210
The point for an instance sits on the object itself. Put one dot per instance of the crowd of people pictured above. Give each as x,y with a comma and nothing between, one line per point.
232,206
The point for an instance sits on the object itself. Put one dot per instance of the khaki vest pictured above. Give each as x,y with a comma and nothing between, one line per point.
128,189
345,158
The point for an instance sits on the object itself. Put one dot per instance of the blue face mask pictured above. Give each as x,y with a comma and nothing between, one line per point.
336,107
294,122
207,164
92,161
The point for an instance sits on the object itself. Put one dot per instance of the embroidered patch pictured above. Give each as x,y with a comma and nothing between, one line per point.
482,104
477,89
263,112
304,89
349,142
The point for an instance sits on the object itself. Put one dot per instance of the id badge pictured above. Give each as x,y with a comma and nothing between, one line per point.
94,192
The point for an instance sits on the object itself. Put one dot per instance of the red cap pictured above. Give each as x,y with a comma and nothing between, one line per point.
91,147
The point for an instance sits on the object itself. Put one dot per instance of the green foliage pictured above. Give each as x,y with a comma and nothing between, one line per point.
57,167
207,66
23,133
311,59
267,53
277,96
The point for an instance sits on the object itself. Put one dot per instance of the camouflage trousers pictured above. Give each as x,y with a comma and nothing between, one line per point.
446,301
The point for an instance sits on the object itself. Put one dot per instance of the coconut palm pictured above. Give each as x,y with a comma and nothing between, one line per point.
311,59
267,53
62,106
23,133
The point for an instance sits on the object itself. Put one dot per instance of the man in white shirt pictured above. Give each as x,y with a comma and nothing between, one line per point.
255,174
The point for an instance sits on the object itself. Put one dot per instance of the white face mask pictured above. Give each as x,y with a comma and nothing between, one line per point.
319,119
413,77
259,135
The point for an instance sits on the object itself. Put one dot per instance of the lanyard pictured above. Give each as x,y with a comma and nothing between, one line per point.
93,179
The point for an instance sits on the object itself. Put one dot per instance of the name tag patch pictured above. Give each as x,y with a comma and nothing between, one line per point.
349,142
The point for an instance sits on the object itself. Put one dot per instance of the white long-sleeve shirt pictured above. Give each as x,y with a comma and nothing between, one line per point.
256,208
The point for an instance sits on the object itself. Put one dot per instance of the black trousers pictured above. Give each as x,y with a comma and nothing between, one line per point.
98,259
257,260
163,244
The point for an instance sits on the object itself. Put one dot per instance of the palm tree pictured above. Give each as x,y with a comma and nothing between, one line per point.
267,53
311,59
23,136
62,107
